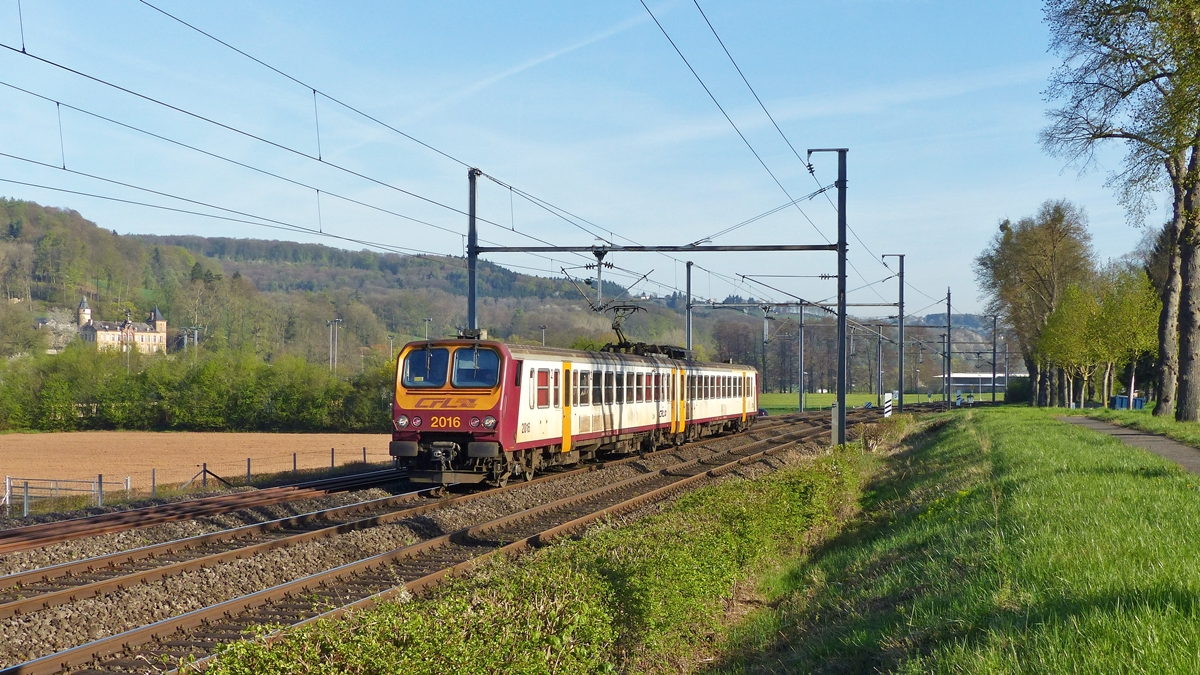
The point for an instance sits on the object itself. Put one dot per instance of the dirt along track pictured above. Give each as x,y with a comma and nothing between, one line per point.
265,569
175,455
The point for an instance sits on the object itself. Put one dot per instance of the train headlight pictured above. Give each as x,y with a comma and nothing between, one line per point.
489,422
474,421
402,422
416,421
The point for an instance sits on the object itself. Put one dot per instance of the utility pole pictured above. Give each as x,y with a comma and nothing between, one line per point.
329,325
427,328
900,337
543,335
993,359
599,253
1006,372
391,351
949,347
472,252
766,338
879,367
336,323
839,423
800,339
688,313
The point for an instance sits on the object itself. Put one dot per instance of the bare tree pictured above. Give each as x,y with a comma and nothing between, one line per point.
1129,74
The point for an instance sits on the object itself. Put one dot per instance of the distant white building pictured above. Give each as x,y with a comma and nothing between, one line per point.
149,337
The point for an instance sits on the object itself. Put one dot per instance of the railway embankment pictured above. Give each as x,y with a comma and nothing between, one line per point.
1005,542
652,591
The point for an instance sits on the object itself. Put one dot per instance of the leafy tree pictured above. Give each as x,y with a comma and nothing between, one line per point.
1130,307
1131,74
1025,270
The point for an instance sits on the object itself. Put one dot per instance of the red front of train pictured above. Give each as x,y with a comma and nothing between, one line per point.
452,416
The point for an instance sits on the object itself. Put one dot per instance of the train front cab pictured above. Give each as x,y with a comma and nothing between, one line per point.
447,412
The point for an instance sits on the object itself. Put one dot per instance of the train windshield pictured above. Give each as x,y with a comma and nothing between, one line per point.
475,367
426,367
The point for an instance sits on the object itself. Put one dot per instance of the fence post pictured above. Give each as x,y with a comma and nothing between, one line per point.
100,489
247,471
126,487
7,496
204,475
293,462
364,454
153,483
26,499
331,464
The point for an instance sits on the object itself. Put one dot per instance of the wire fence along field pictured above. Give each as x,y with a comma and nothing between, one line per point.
63,469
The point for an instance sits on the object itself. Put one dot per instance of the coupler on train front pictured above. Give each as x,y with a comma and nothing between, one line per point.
445,459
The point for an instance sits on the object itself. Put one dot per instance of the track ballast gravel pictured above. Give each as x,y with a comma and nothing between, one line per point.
46,631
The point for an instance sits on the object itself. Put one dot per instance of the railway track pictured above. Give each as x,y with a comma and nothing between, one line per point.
358,584
29,537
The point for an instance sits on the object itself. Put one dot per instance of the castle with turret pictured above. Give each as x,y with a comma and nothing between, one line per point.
149,337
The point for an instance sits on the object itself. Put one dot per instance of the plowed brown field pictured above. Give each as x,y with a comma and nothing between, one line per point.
176,456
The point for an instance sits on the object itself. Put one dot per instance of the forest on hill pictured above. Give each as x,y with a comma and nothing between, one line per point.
262,311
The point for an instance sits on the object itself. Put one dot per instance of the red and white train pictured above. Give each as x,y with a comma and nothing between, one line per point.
474,411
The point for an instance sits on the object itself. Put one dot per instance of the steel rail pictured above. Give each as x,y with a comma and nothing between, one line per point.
14,540
115,644
41,534
105,566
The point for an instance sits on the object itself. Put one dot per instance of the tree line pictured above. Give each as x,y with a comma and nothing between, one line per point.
83,388
1130,75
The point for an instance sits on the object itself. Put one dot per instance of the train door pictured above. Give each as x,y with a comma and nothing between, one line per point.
672,410
568,391
742,390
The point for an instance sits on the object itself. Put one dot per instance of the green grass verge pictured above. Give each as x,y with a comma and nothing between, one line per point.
644,597
1006,543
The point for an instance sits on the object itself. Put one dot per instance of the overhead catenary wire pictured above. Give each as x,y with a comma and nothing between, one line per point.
563,214
290,227
808,165
729,119
254,168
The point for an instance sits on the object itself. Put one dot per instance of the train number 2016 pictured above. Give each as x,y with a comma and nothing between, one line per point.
444,422
524,427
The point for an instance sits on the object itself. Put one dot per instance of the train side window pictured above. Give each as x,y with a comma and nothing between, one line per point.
543,388
620,388
555,387
639,388
629,388
597,389
658,387
573,385
584,388
727,386
532,390
517,373
608,388
691,387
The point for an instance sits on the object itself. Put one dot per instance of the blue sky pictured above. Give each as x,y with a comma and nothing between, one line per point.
586,106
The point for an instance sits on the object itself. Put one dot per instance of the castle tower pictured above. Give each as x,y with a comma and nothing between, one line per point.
85,313
159,321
